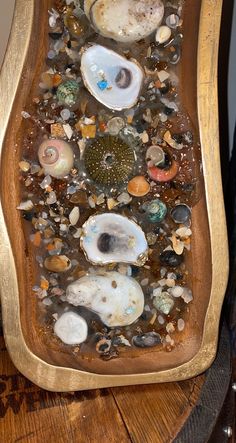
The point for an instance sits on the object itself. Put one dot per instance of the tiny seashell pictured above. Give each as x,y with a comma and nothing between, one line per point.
155,156
25,206
111,203
173,143
124,198
103,346
67,92
147,340
178,247
74,216
183,232
163,302
138,186
156,210
57,263
71,328
163,34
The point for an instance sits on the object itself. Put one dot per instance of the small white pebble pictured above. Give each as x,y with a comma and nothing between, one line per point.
65,114
177,291
180,324
160,320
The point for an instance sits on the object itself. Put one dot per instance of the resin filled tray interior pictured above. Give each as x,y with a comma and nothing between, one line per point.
154,242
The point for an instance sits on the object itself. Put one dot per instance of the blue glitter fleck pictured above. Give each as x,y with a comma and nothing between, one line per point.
129,310
102,84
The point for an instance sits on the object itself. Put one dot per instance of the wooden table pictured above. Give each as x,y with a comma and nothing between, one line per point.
184,412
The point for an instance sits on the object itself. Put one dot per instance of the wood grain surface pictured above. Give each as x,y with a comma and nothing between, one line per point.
137,414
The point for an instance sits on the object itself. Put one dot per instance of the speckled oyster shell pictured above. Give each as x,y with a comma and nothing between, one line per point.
110,78
117,299
113,238
125,20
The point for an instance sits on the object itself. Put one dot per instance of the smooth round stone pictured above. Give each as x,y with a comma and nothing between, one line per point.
147,340
67,92
181,213
156,210
170,258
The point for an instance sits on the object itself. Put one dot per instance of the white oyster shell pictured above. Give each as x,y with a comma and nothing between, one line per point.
125,20
116,298
99,64
113,238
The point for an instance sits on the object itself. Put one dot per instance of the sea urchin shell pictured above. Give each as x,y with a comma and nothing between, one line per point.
109,161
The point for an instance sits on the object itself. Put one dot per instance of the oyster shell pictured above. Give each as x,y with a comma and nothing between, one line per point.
125,20
113,238
110,78
117,299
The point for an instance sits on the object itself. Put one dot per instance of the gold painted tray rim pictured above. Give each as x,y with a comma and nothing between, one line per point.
56,378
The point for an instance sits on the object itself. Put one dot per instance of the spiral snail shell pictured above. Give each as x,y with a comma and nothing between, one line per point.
56,157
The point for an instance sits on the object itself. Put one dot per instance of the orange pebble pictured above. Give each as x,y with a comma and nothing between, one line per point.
102,126
44,284
56,80
37,239
138,186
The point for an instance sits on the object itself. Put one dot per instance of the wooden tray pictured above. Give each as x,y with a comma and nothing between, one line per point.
54,370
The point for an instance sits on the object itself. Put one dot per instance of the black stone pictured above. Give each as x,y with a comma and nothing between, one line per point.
170,258
147,340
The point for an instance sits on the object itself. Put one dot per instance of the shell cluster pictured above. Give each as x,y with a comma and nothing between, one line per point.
109,171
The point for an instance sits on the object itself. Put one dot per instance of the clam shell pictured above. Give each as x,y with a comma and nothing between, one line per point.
125,20
57,263
101,69
117,299
113,238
